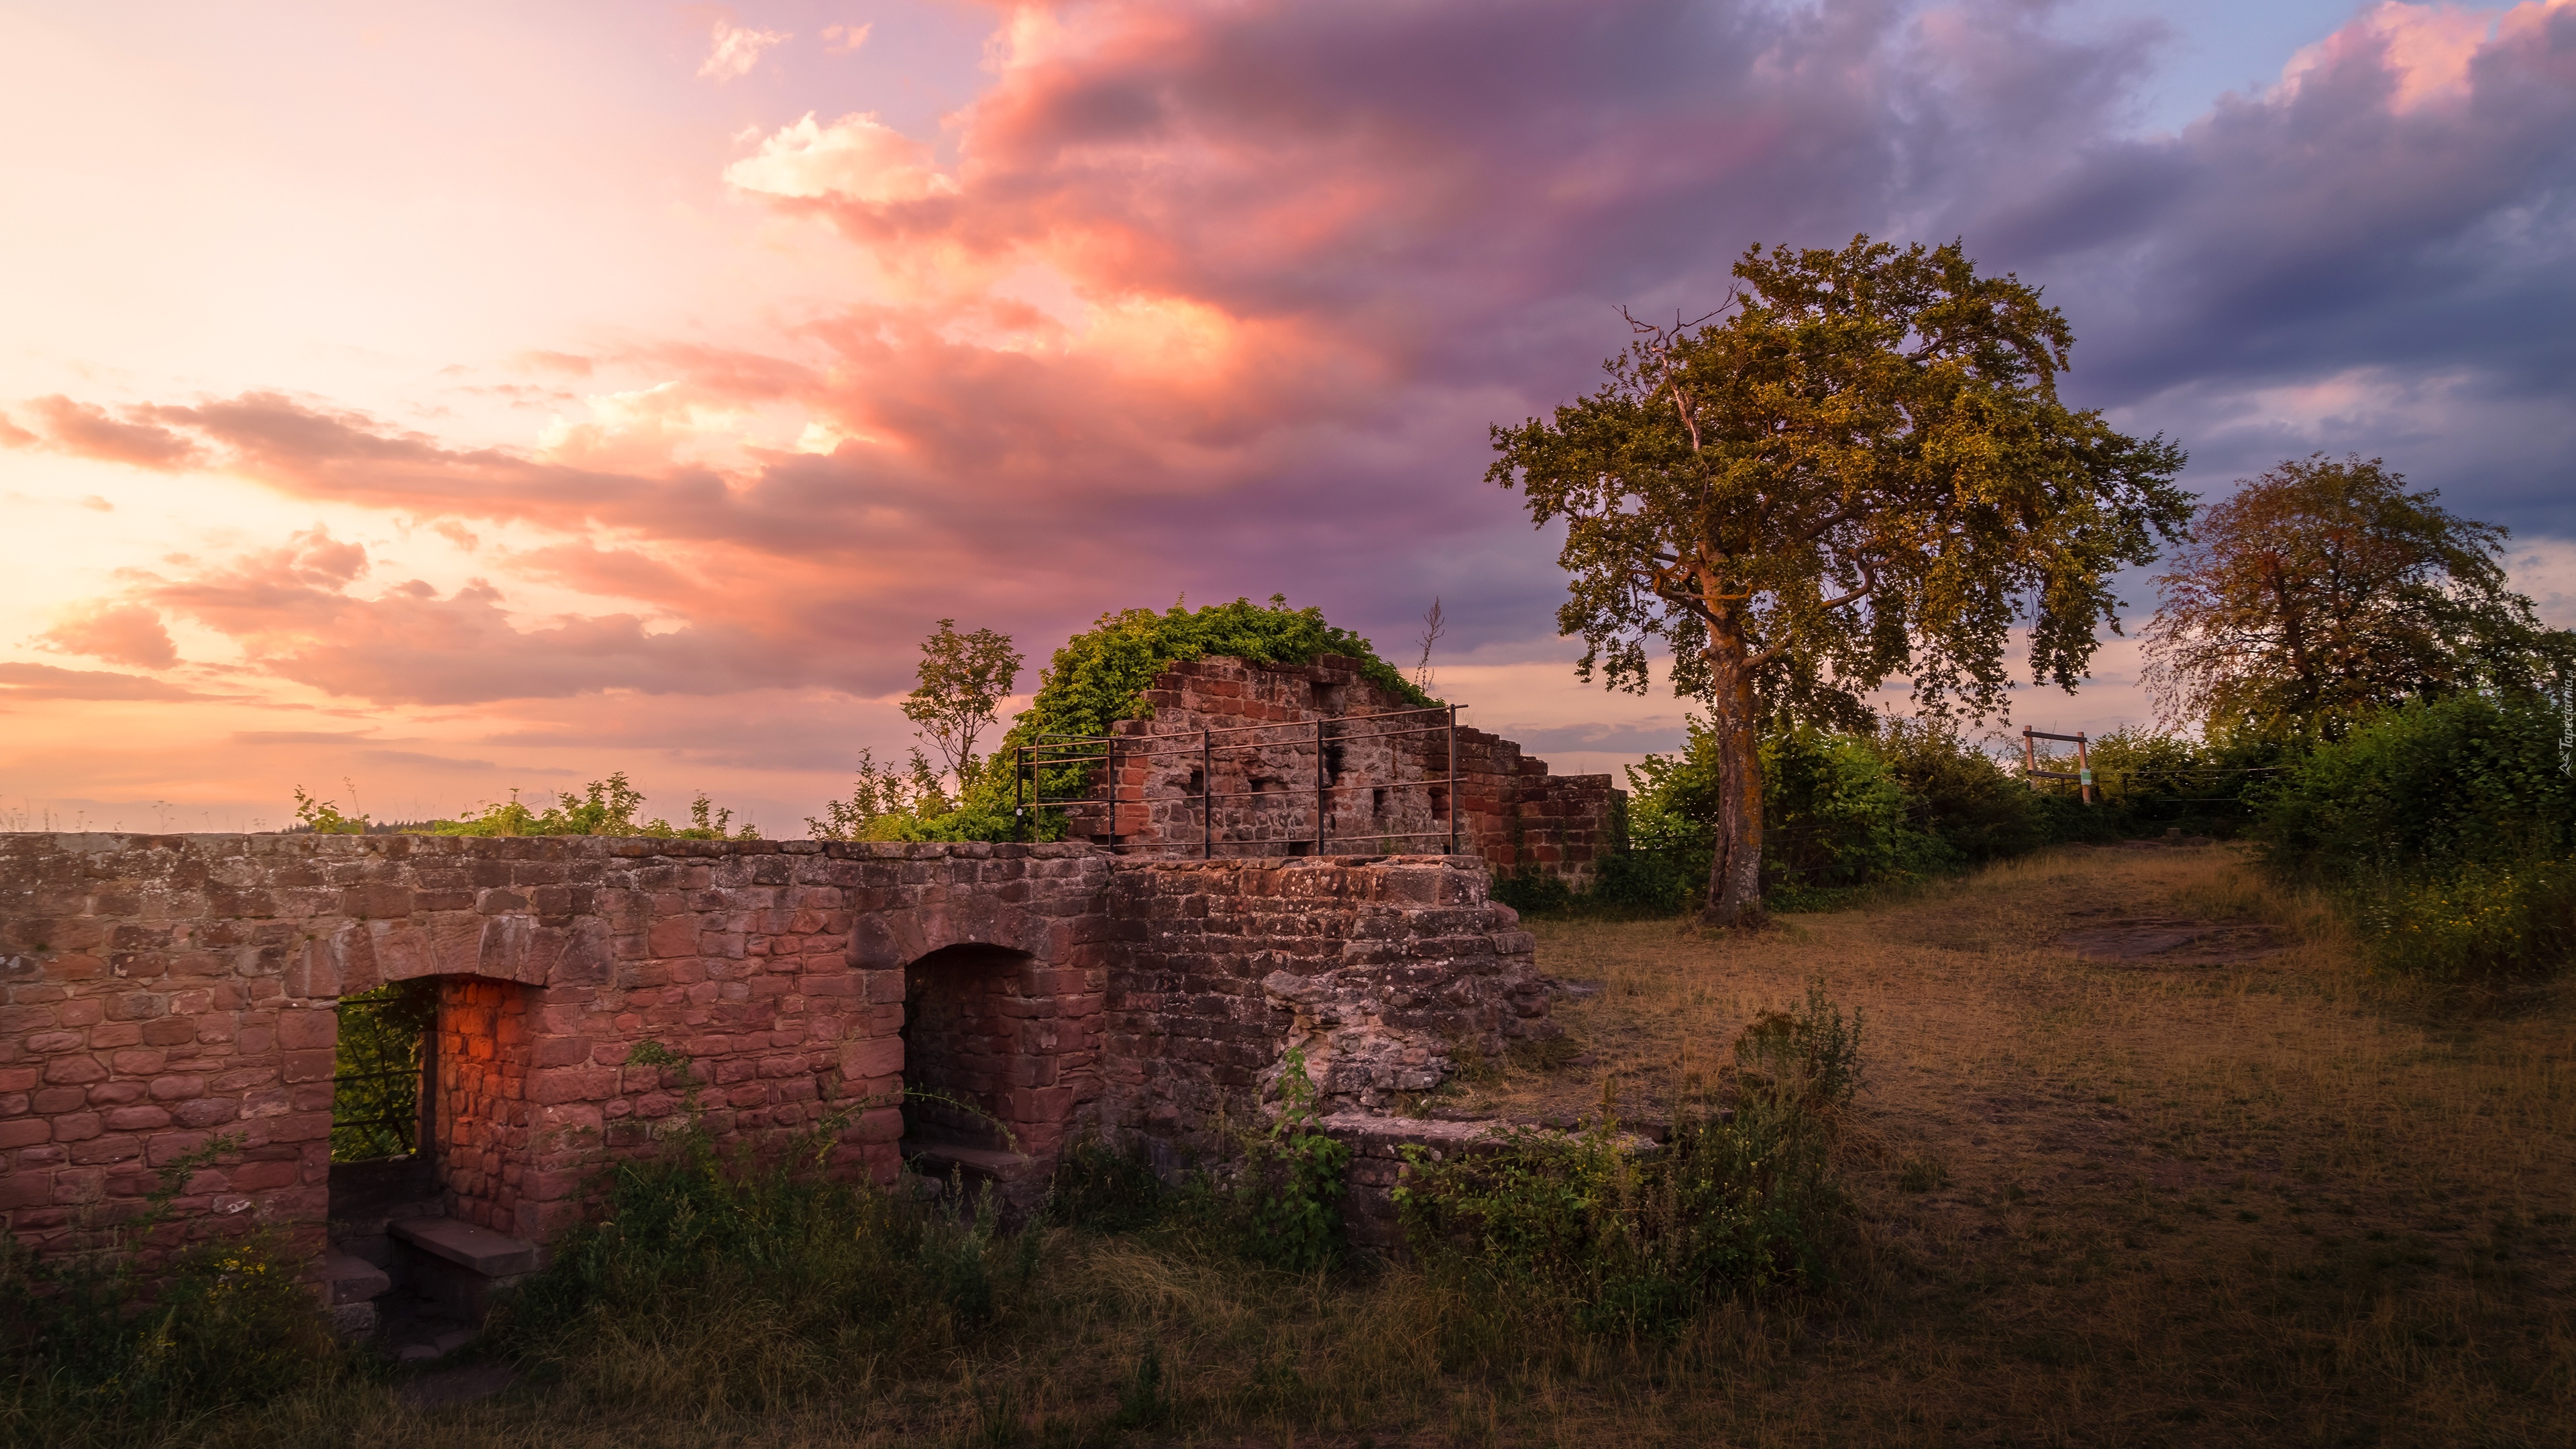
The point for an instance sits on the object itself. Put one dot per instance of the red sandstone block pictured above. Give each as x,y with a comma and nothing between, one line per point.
57,1099
48,1043
255,1176
883,1124
73,1071
137,1119
307,1029
17,1079
139,1061
873,1057
25,1189
301,1126
115,1147
178,1087
25,1132
308,1066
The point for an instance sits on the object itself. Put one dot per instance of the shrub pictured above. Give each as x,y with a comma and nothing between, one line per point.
2424,786
1291,1180
1739,1199
103,1341
2448,829
752,1280
1841,810
2477,922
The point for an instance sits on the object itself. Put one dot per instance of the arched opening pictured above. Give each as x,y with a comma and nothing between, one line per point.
430,1127
963,1047
993,1044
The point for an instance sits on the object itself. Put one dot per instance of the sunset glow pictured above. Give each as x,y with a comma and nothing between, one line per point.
416,404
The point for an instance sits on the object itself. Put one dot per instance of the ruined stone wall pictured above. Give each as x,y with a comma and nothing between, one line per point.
1383,973
159,992
1383,791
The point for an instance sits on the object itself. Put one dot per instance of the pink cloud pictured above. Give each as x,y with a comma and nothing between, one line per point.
87,431
119,633
734,49
45,682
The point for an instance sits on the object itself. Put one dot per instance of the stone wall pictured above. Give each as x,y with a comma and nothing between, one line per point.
160,992
1383,976
1384,782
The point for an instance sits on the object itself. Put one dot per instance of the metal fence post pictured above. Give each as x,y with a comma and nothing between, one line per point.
1453,779
1319,787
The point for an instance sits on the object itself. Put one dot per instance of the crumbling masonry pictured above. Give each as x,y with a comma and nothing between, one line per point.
162,993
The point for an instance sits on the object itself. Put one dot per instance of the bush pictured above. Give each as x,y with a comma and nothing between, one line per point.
1740,1199
2448,828
1096,679
101,1344
750,1282
1840,811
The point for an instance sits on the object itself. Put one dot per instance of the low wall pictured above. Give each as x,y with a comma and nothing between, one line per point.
160,992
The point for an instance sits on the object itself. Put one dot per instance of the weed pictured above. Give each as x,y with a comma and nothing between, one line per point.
1292,1179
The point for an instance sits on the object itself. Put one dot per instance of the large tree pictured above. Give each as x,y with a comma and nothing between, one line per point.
1858,468
2323,590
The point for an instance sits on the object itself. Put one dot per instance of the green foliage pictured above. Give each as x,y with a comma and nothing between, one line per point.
104,1339
1292,1178
1096,679
1100,676
606,807
375,1095
1104,1191
323,817
1840,811
963,677
837,1276
887,802
1740,1199
2325,591
2449,827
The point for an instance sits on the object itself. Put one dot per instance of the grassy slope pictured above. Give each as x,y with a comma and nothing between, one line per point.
2252,1204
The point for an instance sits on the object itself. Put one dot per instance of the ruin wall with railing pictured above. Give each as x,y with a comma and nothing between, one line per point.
1240,759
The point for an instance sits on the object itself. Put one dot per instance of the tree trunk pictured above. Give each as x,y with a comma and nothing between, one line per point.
1735,875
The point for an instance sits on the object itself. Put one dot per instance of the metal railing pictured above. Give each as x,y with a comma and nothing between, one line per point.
1032,763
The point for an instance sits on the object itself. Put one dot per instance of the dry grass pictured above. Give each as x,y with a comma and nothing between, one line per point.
2097,1204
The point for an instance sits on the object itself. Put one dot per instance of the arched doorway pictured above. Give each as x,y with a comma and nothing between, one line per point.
985,1057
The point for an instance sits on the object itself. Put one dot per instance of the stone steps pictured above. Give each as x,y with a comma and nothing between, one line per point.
458,1266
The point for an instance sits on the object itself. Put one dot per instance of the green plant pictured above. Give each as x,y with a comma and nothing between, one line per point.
1292,1179
2447,828
375,1096
112,1336
605,807
323,817
1104,1191
1739,1198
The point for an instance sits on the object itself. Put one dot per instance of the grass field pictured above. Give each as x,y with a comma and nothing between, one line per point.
2198,1198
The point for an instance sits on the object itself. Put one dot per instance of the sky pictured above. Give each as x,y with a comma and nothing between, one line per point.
414,405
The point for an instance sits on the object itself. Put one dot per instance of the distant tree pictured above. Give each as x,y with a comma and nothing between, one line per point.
1864,470
2324,590
1434,624
964,678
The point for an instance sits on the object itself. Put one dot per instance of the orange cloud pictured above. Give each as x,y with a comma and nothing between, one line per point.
119,633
